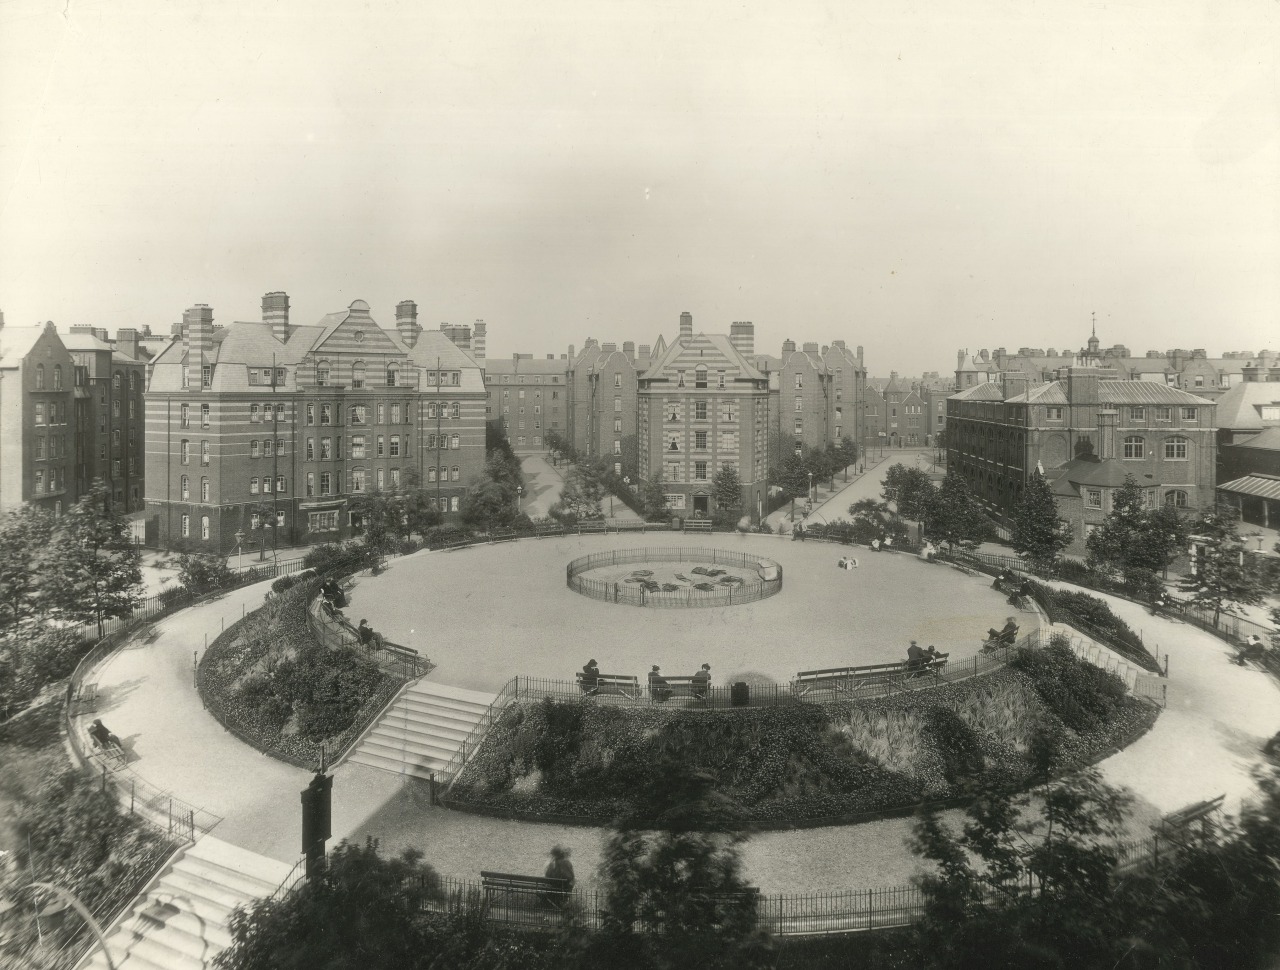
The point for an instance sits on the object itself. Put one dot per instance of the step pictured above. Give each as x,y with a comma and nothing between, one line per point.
131,953
188,884
445,705
212,913
415,730
454,693
245,885
408,750
430,712
421,770
211,934
233,857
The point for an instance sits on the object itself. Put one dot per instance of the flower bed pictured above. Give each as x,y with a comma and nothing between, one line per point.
1094,618
268,681
808,763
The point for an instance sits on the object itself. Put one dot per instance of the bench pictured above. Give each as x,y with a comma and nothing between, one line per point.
621,684
697,525
86,698
851,680
1177,825
533,891
685,687
594,526
149,634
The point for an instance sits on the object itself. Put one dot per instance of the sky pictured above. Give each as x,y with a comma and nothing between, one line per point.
912,178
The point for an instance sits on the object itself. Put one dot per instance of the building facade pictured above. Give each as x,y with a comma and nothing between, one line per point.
703,406
528,396
1085,434
268,433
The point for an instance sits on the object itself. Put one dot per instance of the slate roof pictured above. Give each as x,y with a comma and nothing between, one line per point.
1268,440
1238,407
990,391
16,343
1085,471
718,341
1264,486
1136,393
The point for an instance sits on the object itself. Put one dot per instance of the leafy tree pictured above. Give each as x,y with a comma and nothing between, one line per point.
978,910
911,489
202,573
489,505
24,532
581,495
791,476
91,570
653,498
957,519
1037,532
1226,577
418,514
727,487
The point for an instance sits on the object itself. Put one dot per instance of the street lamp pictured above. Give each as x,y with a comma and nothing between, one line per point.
262,556
239,537
811,487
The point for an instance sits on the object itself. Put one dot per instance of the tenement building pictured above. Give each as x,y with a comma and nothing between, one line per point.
703,406
528,396
1085,433
270,433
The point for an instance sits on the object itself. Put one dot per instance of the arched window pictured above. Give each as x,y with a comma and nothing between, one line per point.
186,487
431,474
57,377
1177,498
700,376
392,374
254,447
1135,446
322,373
204,489
357,374
39,377
457,411
116,380
1175,448
455,474
455,442
186,525
253,486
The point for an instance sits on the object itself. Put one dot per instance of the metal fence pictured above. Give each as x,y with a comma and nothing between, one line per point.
449,774
716,697
634,594
403,663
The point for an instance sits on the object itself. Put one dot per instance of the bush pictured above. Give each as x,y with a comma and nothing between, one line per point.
282,583
439,536
327,556
201,574
31,658
1093,617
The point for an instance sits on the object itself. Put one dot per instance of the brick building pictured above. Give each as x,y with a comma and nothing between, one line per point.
273,430
603,389
702,406
1086,433
528,396
1249,445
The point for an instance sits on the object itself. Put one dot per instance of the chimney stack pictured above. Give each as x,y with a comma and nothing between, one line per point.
478,339
788,346
407,322
197,337
645,351
101,334
1083,386
1014,383
810,347
127,342
686,324
629,348
742,334
571,353
275,311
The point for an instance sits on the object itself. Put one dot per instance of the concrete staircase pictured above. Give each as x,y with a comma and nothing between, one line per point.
180,923
422,730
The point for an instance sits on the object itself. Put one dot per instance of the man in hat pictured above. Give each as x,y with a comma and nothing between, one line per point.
590,677
559,868
658,689
702,681
915,656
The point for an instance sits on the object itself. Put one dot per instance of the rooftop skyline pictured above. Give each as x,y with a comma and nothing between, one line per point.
908,182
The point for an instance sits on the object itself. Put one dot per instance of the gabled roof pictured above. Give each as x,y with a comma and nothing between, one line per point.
990,391
17,342
1268,440
1136,393
1264,486
1238,407
685,350
84,342
1110,473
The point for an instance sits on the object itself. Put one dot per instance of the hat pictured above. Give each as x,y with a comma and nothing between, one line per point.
560,852
655,666
706,666
589,662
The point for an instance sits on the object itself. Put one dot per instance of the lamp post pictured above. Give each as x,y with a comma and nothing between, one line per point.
262,556
810,488
239,537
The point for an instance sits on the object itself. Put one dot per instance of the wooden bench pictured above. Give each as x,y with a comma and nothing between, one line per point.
851,680
86,698
594,526
697,525
150,634
685,687
621,684
1177,825
531,891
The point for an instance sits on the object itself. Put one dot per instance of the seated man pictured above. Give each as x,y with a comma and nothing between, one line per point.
590,677
1253,649
364,632
1007,634
915,656
658,688
701,681
103,738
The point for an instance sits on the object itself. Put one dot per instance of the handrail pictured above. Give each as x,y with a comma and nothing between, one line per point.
475,736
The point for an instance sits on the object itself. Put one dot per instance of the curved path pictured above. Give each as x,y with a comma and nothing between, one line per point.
1204,744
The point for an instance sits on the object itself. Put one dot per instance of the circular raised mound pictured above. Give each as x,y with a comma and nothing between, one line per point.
686,577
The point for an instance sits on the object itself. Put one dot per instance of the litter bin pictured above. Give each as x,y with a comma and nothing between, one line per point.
676,523
740,694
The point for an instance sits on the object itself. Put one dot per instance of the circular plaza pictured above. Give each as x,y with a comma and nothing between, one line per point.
485,613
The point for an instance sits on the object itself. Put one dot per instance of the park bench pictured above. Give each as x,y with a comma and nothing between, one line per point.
1176,826
685,687
851,680
629,526
528,892
594,526
86,698
621,684
697,525
149,634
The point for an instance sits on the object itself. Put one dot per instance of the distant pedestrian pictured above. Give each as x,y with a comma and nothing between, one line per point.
875,544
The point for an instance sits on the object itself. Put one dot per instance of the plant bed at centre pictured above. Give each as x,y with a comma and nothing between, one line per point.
1048,712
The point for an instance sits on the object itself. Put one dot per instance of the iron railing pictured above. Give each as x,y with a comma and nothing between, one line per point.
475,737
634,594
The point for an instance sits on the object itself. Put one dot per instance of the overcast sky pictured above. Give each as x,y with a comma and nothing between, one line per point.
914,178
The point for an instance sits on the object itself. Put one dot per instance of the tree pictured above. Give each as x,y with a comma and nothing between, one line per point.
581,495
24,532
489,505
727,487
201,573
1111,544
419,514
911,489
1225,577
791,476
979,910
1037,533
653,499
957,519
91,570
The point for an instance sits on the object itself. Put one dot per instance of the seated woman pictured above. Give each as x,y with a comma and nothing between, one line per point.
590,677
658,688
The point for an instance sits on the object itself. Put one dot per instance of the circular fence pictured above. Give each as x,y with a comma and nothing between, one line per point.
706,585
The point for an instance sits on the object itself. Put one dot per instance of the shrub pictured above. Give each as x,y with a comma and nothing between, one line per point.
202,574
282,583
1093,617
324,557
440,536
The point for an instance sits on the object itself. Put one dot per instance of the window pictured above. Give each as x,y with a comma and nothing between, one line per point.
1175,449
1199,381
700,440
279,483
185,486
326,483
1189,414
40,413
680,378
204,489
380,446
39,377
675,500
1269,413
322,521
1177,498
617,425
311,414
617,405
700,410
720,378
326,414
279,376
311,483
382,481
673,444
395,478
453,503
254,414
39,447
1137,414
358,478
39,481
455,442
357,374
391,375
326,449
204,527
799,425
799,382
1135,446
431,474
799,403
267,448
184,418
357,446
57,377
1164,414
206,375
728,412
253,448
1093,498
700,377
617,380
455,474
185,450
186,525
700,471
617,446
359,414
457,410
253,486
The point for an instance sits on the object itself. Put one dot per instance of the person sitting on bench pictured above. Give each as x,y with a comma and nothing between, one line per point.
103,738
1253,649
658,688
848,562
915,656
364,633
590,677
559,868
1006,636
701,681
1003,578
